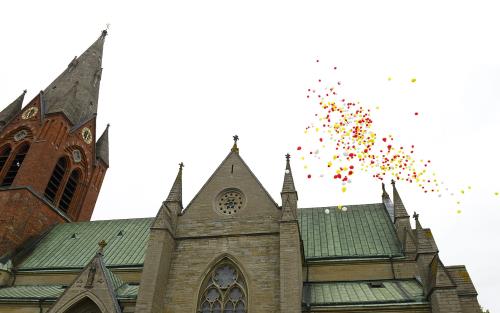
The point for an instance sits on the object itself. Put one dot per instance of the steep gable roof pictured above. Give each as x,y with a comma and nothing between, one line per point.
235,157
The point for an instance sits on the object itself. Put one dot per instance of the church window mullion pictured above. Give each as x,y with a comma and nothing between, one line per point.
13,164
69,190
52,191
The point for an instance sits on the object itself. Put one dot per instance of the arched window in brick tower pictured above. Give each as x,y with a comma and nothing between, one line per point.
15,165
69,190
4,156
55,180
223,291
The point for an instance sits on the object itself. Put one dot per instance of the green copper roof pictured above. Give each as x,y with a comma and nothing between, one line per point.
31,292
73,245
55,291
344,293
361,231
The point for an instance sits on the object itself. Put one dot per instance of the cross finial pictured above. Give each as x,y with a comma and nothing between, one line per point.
181,165
415,216
102,244
235,145
287,156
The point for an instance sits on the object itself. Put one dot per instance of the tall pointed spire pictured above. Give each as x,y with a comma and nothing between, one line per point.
76,91
399,207
102,147
175,194
387,202
288,185
289,195
7,114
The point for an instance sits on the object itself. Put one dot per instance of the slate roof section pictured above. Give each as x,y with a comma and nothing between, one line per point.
363,231
363,292
72,245
53,292
10,111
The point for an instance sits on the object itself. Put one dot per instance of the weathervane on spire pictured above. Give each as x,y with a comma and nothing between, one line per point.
235,145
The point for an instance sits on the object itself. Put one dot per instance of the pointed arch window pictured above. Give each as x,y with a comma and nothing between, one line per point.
69,190
15,165
55,180
4,156
223,291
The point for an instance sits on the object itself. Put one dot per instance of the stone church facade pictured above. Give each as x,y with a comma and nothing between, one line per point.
232,249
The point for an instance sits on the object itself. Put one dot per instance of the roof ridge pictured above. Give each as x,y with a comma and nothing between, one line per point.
336,206
111,220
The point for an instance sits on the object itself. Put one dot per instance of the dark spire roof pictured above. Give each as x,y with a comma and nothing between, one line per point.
102,147
11,110
76,91
175,194
288,185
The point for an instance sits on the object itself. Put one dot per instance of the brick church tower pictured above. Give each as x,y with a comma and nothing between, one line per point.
51,165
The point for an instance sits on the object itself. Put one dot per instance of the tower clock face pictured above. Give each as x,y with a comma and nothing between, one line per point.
29,113
87,135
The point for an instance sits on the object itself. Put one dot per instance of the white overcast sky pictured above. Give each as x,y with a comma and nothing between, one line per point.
181,77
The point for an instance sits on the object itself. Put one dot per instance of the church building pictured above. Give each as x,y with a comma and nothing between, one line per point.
231,249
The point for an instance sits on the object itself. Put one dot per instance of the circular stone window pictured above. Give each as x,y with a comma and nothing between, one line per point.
229,201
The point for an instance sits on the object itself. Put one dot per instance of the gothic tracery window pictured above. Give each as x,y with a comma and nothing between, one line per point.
223,291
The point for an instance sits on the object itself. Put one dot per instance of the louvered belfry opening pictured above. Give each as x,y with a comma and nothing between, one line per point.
4,155
15,165
55,179
69,190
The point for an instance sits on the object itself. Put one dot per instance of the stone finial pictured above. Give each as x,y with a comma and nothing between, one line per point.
102,244
235,145
393,182
287,156
415,216
181,165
